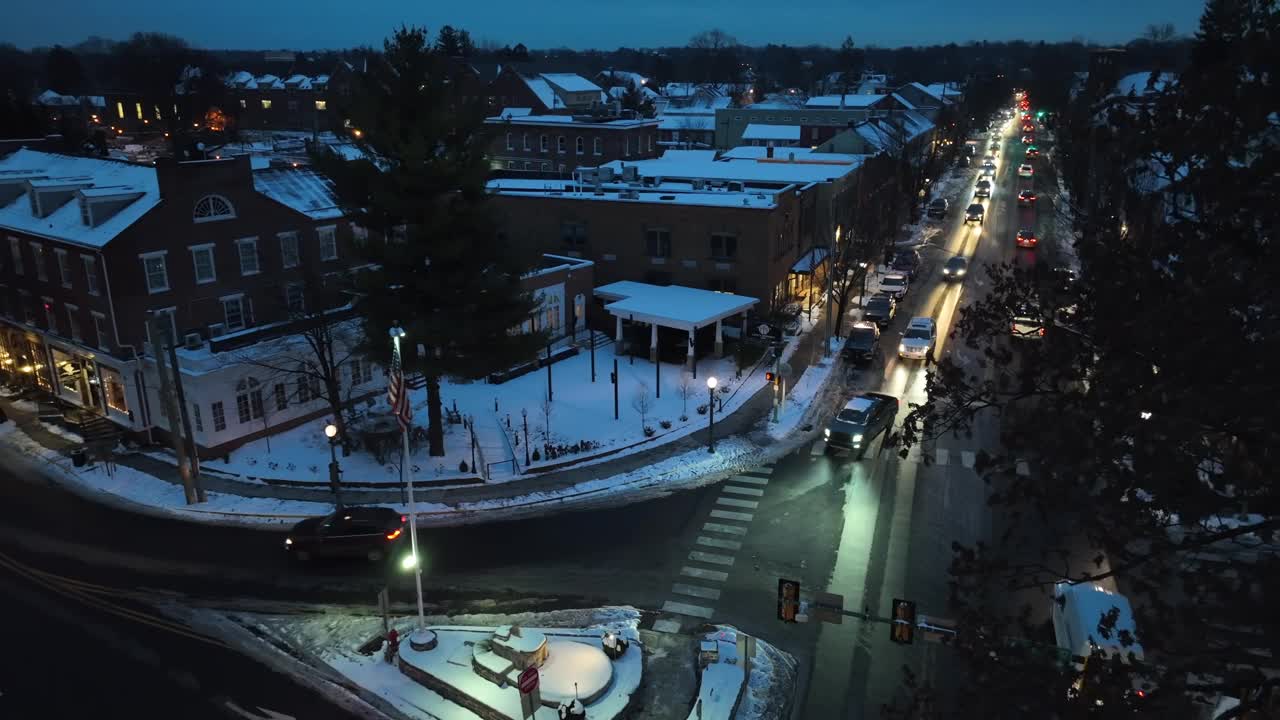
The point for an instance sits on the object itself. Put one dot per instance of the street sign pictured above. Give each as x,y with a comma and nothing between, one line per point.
827,607
763,328
528,681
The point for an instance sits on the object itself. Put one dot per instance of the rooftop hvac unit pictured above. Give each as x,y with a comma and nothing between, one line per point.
215,330
193,341
630,174
699,184
589,175
605,174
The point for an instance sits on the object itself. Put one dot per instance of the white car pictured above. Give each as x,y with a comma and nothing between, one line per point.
894,285
1025,170
919,339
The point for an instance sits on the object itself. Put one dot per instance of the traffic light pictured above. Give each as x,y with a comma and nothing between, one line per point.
788,599
771,377
903,628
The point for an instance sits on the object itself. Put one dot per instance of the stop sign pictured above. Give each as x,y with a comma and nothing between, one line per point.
528,681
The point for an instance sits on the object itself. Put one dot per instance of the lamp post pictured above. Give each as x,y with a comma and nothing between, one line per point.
397,333
525,414
711,413
335,474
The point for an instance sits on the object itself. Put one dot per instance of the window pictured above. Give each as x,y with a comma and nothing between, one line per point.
212,207
248,400
168,326
528,165
248,250
304,391
119,109
288,249
157,274
37,256
574,235
15,249
243,103
578,145
50,319
73,322
597,147
233,314
100,327
626,147
328,242
90,273
525,140
322,105
510,144
724,246
202,259
512,165
219,418
293,297
266,104
657,242
282,397
195,417
650,143
560,144
137,107
28,307
359,234
114,384
64,266
723,284
542,143
360,371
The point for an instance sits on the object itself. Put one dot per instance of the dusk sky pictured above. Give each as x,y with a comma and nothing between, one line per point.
312,24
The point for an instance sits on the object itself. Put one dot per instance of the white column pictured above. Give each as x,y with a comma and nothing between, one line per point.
653,342
719,339
689,359
617,340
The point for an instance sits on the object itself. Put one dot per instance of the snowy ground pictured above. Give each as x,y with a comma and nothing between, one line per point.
800,397
765,695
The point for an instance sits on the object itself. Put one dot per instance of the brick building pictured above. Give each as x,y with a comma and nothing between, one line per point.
820,119
559,144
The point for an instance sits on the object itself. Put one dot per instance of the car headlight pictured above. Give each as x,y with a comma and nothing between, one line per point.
902,347
826,432
946,271
857,438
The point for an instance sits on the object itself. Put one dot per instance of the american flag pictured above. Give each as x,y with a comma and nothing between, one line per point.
398,393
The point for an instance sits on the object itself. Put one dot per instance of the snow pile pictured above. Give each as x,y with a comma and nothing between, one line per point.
813,382
771,685
765,695
63,433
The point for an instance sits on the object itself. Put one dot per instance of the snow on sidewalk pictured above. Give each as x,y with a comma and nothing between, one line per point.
765,695
810,387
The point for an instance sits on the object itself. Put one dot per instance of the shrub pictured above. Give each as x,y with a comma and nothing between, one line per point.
665,424
649,431
702,409
462,466
684,418
536,456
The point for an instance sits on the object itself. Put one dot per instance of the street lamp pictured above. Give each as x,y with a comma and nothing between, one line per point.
335,475
711,413
524,414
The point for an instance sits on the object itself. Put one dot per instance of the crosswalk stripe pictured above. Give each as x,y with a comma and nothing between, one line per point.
750,492
696,591
666,625
1023,468
747,480
710,558
734,502
701,574
757,473
680,608
942,456
724,529
727,515
968,458
718,543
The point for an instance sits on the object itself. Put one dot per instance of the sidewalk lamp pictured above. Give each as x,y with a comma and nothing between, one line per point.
335,475
711,413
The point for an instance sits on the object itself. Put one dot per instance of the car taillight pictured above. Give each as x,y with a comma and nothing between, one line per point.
1041,332
404,518
394,534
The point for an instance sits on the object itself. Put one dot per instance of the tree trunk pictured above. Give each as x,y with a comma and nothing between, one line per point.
435,430
335,407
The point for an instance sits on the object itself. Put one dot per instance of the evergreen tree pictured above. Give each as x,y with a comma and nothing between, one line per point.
1150,407
63,71
447,42
443,271
850,61
466,46
635,99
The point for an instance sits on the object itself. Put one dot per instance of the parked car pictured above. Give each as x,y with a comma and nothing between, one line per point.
994,149
988,165
1027,324
880,310
982,189
863,344
938,207
975,213
373,533
1033,151
907,261
895,285
860,422
1025,170
919,339
955,268
1027,238
1027,198
1028,139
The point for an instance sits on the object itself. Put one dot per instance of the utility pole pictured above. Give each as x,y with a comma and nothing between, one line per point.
615,388
193,458
158,333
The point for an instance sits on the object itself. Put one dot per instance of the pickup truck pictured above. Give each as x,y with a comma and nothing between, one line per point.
860,422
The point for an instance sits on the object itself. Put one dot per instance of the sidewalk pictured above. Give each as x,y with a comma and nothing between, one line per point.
748,420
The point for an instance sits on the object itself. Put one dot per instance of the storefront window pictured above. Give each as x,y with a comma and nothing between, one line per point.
68,369
115,389
37,365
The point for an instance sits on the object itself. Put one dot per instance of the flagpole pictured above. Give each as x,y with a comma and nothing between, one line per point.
397,332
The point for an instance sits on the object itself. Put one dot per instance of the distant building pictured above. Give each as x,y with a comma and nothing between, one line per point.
819,118
545,93
525,142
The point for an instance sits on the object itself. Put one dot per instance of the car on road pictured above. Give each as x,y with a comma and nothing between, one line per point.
919,339
988,165
994,149
907,261
880,310
1027,324
1026,238
1033,151
938,207
1025,170
1028,128
864,418
373,533
989,158
1027,197
895,285
982,189
955,268
862,346
1028,139
975,213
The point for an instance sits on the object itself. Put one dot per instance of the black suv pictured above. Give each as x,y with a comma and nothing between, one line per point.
880,310
373,533
907,262
938,208
863,344
860,422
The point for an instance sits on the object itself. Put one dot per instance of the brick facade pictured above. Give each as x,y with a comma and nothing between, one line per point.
537,144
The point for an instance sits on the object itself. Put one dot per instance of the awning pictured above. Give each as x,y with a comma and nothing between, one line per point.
673,306
810,260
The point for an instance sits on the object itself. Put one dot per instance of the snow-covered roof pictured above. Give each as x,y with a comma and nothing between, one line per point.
571,82
666,193
685,164
687,122
905,102
541,88
761,131
1137,83
301,82
674,306
810,260
65,223
623,77
269,81
527,119
755,152
847,101
50,97
302,189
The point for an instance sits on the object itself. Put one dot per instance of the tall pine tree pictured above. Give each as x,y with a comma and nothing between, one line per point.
443,271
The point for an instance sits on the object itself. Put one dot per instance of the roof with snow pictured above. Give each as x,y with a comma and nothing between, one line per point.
546,94
575,120
1077,615
845,101
673,306
302,189
761,131
31,169
781,168
571,82
810,260
1144,82
687,122
755,152
666,193
623,77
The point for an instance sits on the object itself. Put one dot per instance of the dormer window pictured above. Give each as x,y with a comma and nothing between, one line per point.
213,207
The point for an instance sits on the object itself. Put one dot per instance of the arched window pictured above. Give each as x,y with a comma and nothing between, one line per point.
579,145
249,400
213,207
